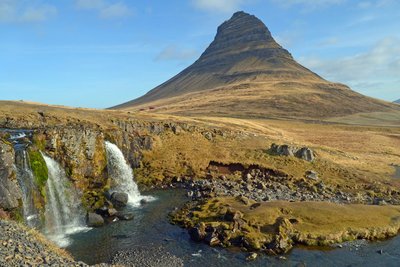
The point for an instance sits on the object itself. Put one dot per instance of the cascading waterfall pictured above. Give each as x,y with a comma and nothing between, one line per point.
122,175
26,180
64,213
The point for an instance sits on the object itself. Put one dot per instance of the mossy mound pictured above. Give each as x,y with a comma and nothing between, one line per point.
277,226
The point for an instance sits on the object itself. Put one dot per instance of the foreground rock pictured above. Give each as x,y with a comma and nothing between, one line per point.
146,257
119,199
94,220
20,246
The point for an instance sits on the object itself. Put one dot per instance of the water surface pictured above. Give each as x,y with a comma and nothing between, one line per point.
151,228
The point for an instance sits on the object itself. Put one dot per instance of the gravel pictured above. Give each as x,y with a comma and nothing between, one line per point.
146,257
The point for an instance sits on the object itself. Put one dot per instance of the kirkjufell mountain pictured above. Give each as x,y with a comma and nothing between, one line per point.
246,73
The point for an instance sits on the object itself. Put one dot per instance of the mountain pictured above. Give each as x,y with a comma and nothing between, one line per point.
246,73
397,101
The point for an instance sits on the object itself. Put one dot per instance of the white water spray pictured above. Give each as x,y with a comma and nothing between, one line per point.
64,213
122,175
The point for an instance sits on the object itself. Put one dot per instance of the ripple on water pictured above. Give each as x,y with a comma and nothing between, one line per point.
151,229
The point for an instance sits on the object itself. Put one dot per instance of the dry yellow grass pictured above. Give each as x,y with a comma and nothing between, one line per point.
312,223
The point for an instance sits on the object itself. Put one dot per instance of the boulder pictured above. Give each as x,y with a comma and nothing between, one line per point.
198,232
232,215
304,153
312,175
94,220
119,199
125,216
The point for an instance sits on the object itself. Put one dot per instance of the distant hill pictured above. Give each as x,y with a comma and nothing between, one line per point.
246,73
397,101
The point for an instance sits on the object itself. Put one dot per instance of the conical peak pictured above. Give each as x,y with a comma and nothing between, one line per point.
244,25
246,35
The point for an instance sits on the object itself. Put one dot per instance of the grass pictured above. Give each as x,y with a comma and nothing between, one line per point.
314,223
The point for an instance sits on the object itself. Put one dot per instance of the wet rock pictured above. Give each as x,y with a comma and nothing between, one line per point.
94,220
125,216
119,199
252,256
197,233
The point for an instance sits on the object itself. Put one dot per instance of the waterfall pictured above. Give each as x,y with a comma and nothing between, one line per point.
26,181
122,175
64,213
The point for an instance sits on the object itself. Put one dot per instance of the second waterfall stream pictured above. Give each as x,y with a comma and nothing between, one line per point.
122,175
64,213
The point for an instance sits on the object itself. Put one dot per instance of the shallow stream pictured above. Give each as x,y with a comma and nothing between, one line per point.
151,228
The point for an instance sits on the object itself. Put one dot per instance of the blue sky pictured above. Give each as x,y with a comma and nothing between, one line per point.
98,53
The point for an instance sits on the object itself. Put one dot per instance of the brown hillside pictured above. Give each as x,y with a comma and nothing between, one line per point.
246,73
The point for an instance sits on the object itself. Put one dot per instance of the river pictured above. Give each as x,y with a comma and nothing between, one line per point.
151,228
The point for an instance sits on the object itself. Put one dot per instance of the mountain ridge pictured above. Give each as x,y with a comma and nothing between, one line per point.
245,72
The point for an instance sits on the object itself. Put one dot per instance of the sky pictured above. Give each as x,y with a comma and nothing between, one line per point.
99,53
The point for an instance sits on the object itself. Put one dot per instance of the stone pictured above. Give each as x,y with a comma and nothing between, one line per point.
197,233
125,216
112,212
10,192
252,256
312,175
306,153
119,199
232,215
94,220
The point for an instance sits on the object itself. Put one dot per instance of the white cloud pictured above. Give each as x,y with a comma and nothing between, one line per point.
222,6
106,9
377,68
173,52
308,4
19,11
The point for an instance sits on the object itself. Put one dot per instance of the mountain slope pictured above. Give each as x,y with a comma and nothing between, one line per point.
397,101
246,73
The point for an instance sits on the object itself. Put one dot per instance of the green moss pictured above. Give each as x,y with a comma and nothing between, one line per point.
39,141
40,171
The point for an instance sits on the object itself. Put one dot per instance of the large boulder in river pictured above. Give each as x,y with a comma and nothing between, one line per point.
94,220
119,199
125,216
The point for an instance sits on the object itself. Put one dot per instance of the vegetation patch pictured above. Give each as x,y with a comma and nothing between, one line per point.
277,226
39,169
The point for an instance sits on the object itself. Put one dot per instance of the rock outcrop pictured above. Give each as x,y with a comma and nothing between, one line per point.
304,153
10,193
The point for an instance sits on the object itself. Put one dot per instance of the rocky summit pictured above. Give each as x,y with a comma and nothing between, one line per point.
246,73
